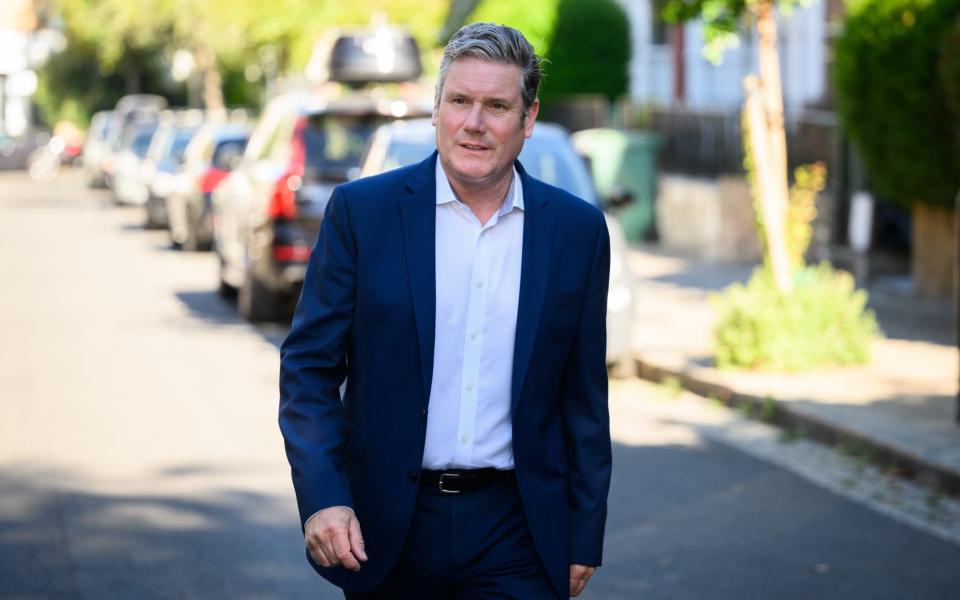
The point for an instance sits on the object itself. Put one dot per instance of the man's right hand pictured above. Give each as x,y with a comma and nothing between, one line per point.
333,538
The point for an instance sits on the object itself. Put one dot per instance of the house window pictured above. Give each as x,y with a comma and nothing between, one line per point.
660,29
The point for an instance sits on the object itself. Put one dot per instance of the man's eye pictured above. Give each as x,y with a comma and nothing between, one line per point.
458,100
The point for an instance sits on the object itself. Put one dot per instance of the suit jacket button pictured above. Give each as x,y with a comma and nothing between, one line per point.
412,476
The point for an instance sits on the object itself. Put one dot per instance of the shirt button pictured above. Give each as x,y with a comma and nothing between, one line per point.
473,335
479,284
469,387
412,476
464,439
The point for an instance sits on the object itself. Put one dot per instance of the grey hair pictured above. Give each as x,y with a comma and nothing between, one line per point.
495,43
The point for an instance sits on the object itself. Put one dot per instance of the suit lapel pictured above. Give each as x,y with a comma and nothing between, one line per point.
537,236
418,212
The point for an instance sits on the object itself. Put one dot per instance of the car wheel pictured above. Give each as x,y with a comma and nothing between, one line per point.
190,241
258,303
153,218
224,289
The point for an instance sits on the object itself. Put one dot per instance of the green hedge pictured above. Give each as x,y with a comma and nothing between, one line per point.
589,50
891,98
586,42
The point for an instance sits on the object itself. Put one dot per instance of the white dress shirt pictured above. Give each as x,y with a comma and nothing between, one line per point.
478,289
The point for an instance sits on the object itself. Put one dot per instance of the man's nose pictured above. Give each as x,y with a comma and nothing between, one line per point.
474,122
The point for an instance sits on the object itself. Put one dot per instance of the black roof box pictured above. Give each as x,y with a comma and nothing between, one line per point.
382,55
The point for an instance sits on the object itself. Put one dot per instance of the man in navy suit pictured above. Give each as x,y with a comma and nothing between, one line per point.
464,302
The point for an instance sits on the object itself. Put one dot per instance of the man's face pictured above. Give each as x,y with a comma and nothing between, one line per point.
479,121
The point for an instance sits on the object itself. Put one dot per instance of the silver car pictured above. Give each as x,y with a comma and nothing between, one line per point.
549,156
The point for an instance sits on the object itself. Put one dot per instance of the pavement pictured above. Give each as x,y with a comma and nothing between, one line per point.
898,411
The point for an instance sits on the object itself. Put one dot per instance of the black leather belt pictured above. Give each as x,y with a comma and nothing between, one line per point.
456,481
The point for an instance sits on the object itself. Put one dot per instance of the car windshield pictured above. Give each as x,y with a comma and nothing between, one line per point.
141,141
181,138
227,150
335,143
549,158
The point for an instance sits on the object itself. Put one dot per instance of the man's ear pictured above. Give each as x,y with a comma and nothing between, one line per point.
531,117
433,115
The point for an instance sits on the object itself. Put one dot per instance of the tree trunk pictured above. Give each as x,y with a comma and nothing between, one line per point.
764,106
934,250
211,79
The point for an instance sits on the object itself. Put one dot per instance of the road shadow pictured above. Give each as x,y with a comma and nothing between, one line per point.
212,308
60,541
685,521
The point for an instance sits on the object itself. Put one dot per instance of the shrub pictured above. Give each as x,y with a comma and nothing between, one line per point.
823,321
949,75
589,51
891,101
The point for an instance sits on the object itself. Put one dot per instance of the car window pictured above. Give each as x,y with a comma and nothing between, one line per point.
141,142
548,158
555,162
181,138
336,142
227,150
279,146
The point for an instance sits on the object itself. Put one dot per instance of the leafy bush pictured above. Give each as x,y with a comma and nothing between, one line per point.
823,321
589,50
949,74
586,42
891,101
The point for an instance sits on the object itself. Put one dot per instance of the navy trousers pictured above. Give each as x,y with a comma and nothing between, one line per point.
470,546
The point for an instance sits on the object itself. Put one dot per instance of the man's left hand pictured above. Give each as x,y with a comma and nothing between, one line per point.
579,574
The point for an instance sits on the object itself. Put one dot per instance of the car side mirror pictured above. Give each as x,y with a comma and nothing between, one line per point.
619,197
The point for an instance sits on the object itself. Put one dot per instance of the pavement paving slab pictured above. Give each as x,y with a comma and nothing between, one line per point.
901,405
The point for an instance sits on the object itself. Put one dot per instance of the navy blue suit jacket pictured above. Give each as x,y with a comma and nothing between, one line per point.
367,313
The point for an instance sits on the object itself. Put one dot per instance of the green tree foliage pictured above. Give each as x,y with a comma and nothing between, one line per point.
723,20
891,101
535,19
586,42
120,39
589,50
73,85
949,75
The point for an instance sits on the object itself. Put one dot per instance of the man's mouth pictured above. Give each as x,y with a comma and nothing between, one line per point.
475,147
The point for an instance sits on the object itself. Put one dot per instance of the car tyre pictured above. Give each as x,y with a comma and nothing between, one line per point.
256,302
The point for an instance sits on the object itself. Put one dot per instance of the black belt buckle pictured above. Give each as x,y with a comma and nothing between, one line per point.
440,485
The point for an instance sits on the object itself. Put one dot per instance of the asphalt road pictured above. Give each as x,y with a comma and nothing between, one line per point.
140,457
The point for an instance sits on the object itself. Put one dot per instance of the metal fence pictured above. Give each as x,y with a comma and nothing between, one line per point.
710,143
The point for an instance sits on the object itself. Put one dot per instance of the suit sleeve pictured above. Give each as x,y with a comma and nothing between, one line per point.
313,365
586,415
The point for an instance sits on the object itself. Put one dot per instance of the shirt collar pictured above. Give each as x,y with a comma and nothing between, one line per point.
446,195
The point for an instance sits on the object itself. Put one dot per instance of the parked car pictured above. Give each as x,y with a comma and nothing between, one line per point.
549,156
164,157
130,113
267,212
96,145
214,151
127,156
